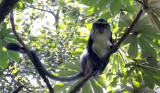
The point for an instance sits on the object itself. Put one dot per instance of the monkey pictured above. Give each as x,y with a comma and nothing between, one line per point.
98,45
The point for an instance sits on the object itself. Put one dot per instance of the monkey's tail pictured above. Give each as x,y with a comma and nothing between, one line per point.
65,79
18,48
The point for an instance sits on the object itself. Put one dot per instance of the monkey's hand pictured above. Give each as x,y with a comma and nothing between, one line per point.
15,47
111,47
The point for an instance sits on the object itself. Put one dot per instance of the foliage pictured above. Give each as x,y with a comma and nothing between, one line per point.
58,30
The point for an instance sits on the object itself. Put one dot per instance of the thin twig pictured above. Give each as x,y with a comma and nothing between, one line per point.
81,83
32,6
29,54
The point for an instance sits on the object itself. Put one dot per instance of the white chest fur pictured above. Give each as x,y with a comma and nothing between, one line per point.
101,45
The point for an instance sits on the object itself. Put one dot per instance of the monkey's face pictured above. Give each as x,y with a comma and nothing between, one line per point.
100,26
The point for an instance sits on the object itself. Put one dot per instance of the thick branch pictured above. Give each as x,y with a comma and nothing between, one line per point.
81,83
5,7
42,74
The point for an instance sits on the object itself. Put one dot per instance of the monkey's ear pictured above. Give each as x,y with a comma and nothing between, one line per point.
15,47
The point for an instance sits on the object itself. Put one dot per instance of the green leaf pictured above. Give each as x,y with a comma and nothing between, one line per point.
150,41
154,4
126,19
13,55
127,65
123,83
115,64
126,41
146,48
3,55
133,8
141,25
121,62
114,82
151,34
78,41
152,70
20,6
127,89
157,12
110,78
115,6
148,81
126,2
11,40
101,80
61,2
88,11
129,73
61,86
106,14
147,90
11,36
137,80
14,71
101,5
145,29
133,48
87,88
4,30
28,1
75,84
137,77
4,27
70,66
152,74
89,2
96,87
136,84
154,20
65,73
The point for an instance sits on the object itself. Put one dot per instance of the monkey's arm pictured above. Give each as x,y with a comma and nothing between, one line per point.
111,40
18,48
91,53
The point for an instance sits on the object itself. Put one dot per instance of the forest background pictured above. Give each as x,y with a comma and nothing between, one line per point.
59,29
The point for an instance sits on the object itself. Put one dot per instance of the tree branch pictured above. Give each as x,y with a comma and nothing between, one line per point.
81,83
32,6
42,74
18,89
5,7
